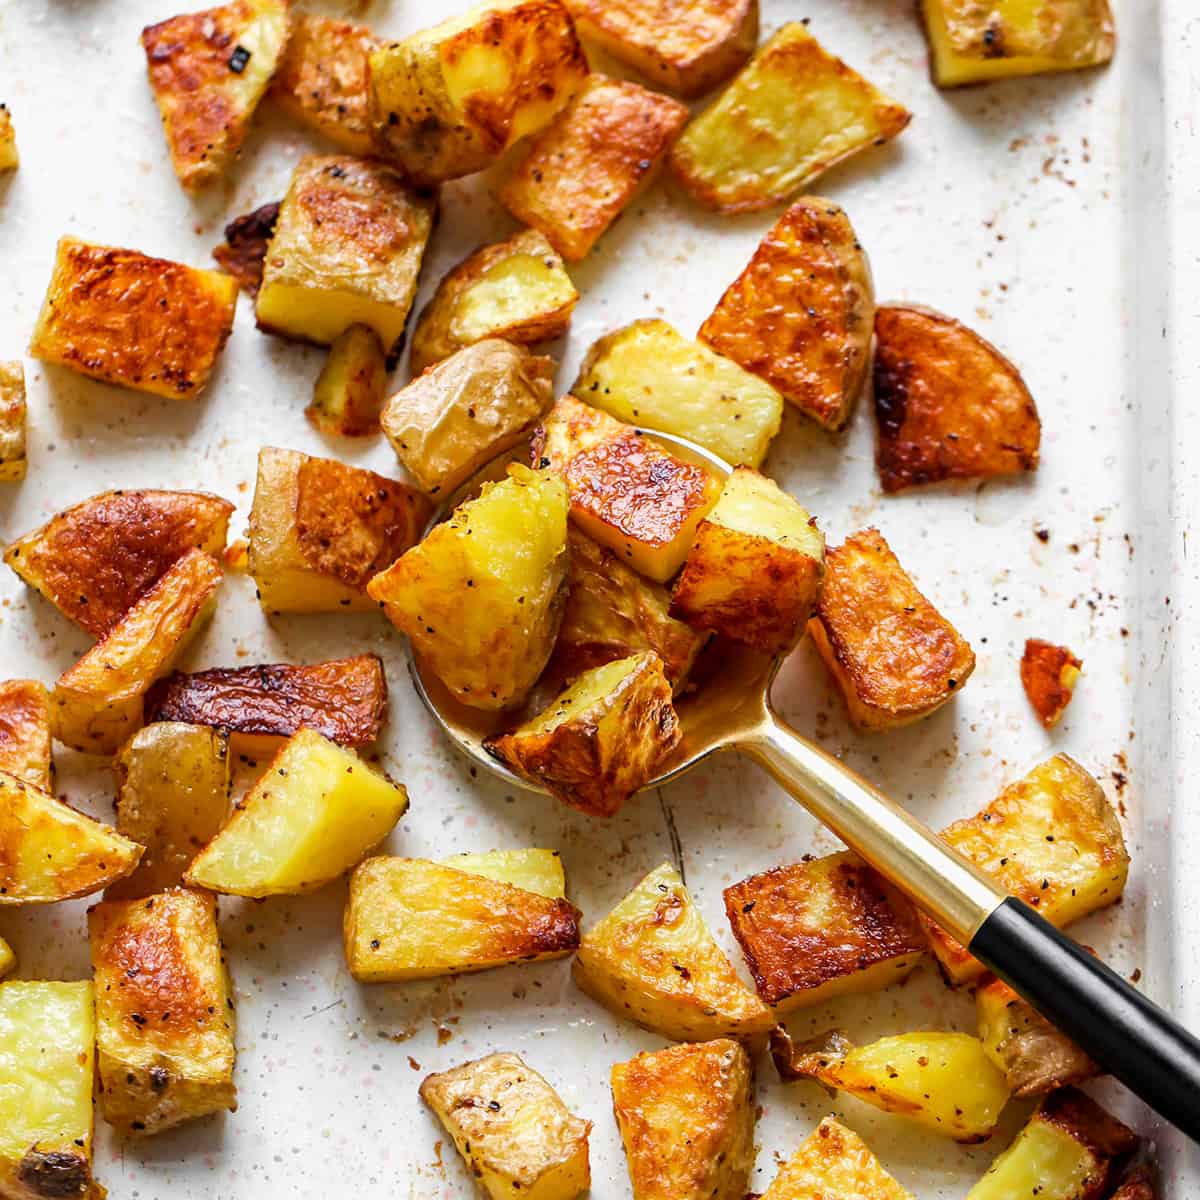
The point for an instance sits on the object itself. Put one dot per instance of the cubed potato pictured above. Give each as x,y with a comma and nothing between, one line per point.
894,657
47,1062
347,249
208,71
407,918
649,375
516,1135
792,113
321,529
8,959
465,410
518,290
450,100
315,812
164,1011
508,550
25,738
834,1163
754,570
971,42
12,421
1049,674
581,173
244,250
349,392
627,492
822,928
602,739
686,1116
9,158
1053,840
800,315
98,294
172,798
948,405
99,702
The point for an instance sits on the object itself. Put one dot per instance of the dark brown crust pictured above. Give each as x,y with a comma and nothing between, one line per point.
1042,676
1080,1116
1140,1182
55,1173
242,252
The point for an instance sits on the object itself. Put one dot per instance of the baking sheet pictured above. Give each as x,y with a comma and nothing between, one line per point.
1051,214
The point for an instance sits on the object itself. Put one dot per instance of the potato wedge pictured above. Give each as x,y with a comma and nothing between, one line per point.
792,113
581,173
834,1163
450,100
349,392
516,1135
97,294
164,1011
686,1116
649,375
244,249
9,158
801,314
1049,674
508,548
312,816
25,741
12,421
822,928
517,289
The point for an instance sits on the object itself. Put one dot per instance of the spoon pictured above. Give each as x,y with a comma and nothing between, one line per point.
1131,1038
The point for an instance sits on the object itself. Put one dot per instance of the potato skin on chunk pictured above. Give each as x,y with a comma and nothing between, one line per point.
1048,675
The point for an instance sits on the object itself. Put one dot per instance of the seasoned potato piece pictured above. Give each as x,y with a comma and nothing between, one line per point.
800,315
686,1116
948,405
508,548
753,572
601,739
25,749
9,158
125,318
312,816
465,410
208,71
790,115
8,959
350,389
450,100
320,529
164,1011
822,928
407,918
244,249
581,172
517,290
649,375
346,250
1053,840
627,493
12,421
515,1133
834,1163
1049,674
895,658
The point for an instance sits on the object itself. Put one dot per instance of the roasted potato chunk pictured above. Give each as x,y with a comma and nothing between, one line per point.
407,918
508,548
315,812
320,529
125,318
516,1135
800,315
627,493
465,410
1049,674
450,100
822,928
9,158
686,1116
581,172
601,740
753,572
650,376
518,290
25,749
1053,840
244,249
12,421
834,1163
164,1011
790,115
346,250
894,657
349,391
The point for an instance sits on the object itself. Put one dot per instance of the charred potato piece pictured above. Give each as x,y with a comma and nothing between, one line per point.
516,1135
450,100
834,1163
350,389
125,318
1049,674
242,252
164,1011
12,421
9,158
791,114
25,749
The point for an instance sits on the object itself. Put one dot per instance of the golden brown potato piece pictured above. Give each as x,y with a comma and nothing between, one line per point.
96,560
800,315
834,1163
1049,674
25,749
125,318
349,392
12,421
948,405
9,158
895,658
581,172
244,249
